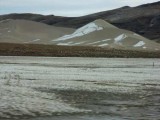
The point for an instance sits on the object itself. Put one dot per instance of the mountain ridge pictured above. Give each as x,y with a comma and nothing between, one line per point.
143,19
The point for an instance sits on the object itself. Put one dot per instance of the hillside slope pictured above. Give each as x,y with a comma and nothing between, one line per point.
24,31
99,33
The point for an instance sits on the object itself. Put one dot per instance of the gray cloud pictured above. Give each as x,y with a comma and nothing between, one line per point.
64,7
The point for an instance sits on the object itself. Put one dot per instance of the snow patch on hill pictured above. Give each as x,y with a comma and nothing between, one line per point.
136,34
89,28
102,45
120,38
36,40
106,40
65,44
139,44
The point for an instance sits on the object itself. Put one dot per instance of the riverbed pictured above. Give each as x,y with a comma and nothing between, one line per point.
76,88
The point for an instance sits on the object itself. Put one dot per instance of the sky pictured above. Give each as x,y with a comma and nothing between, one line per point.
68,8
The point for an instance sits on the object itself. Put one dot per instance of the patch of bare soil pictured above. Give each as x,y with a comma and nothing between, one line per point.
9,49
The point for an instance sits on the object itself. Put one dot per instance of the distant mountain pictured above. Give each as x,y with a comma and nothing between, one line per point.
48,19
144,19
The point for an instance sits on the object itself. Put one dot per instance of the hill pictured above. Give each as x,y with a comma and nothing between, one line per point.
25,31
98,33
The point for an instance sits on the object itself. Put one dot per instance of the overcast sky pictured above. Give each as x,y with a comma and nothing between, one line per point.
65,7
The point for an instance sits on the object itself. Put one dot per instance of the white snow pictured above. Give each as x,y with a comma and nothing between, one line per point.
33,41
91,27
79,43
65,44
8,31
139,44
71,43
144,47
94,43
106,40
136,34
36,40
66,37
120,38
105,44
102,45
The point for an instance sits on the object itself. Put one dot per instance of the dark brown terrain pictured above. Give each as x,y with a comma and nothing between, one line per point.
144,19
10,49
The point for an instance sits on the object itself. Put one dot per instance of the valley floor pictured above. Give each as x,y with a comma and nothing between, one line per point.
52,88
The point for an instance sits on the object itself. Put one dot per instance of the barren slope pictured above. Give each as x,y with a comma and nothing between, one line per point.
99,33
24,31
